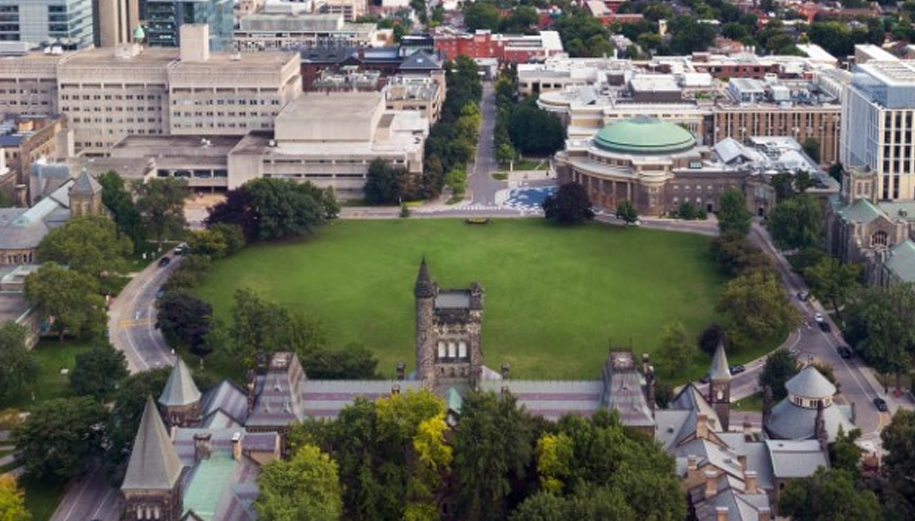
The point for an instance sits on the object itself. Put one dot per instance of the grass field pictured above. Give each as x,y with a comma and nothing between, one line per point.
52,357
555,298
41,499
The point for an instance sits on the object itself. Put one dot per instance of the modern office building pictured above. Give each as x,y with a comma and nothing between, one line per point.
164,19
877,132
115,21
38,22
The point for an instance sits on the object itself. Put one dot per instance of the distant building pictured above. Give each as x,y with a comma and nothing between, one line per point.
164,19
116,21
506,48
808,412
43,22
25,139
403,59
280,32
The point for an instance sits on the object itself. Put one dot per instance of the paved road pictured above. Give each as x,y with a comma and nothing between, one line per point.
88,499
483,187
132,319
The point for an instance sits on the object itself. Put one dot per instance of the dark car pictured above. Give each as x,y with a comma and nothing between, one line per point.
181,249
880,404
824,327
164,261
803,296
845,352
737,369
705,379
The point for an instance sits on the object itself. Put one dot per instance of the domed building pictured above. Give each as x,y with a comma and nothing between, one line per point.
655,164
808,412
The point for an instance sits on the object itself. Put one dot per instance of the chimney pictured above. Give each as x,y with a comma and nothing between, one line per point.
765,514
747,429
721,514
742,459
236,446
401,371
22,196
251,384
711,483
194,41
751,484
395,390
202,447
649,386
506,371
691,463
702,426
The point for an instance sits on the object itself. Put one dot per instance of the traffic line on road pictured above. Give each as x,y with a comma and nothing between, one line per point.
126,323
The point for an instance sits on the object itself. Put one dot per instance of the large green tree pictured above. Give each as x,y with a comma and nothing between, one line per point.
596,504
833,281
18,367
69,297
899,462
385,184
60,436
88,244
183,319
160,203
885,317
781,365
676,351
569,206
303,487
733,216
98,371
493,446
12,500
828,494
481,15
535,131
117,198
756,306
735,253
284,208
796,223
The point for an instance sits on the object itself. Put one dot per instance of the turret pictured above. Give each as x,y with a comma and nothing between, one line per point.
424,292
180,400
720,386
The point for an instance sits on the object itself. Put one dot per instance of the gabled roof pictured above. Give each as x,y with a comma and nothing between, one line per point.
154,464
862,211
421,61
719,369
85,184
810,383
180,388
795,459
902,261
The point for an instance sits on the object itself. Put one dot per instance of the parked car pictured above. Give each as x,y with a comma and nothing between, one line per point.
880,404
737,369
803,296
818,317
705,379
164,261
160,293
181,249
824,327
845,352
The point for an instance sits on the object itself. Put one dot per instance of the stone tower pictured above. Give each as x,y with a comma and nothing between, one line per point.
448,326
180,400
719,395
152,484
85,196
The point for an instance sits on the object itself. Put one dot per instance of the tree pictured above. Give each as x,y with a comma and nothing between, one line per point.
569,206
283,208
553,454
690,35
832,281
757,307
18,367
796,223
492,449
828,494
812,149
505,153
98,371
735,253
213,242
68,298
900,459
88,244
599,504
12,500
60,436
885,315
535,131
160,203
354,362
304,487
709,339
844,454
235,210
675,349
385,184
183,319
626,212
781,365
481,15
119,201
733,215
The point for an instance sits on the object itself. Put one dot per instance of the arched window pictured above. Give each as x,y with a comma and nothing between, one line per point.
878,239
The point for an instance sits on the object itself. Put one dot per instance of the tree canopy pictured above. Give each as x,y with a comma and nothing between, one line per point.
117,198
569,206
781,365
385,183
88,244
303,487
676,351
183,319
535,131
18,367
756,306
98,371
796,223
832,281
69,297
828,494
886,339
160,203
733,215
12,500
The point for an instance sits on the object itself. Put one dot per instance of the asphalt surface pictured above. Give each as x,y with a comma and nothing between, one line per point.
482,186
90,498
132,319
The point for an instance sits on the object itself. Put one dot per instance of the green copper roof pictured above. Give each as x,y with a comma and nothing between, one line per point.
644,135
453,400
139,33
210,479
902,261
862,211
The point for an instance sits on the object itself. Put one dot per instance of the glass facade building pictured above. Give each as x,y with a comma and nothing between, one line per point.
165,17
47,21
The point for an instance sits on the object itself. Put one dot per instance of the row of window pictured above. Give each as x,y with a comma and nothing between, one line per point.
109,97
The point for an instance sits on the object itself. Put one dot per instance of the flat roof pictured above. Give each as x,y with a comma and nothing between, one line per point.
339,106
170,145
107,55
894,73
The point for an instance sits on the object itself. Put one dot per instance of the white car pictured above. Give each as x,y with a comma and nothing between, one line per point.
818,317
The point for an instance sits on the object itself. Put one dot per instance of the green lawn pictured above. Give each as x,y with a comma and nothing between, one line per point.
753,403
52,356
555,298
41,499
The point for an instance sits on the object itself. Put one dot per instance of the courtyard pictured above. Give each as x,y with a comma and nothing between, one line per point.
556,298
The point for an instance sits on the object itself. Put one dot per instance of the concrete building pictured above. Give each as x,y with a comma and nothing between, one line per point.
350,9
506,48
277,32
38,22
425,95
330,141
25,139
28,83
115,21
164,19
878,132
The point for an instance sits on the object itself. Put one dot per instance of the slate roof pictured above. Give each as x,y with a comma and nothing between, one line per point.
154,464
795,459
22,228
901,261
810,383
421,61
791,422
85,184
719,369
180,388
226,398
552,398
453,299
862,211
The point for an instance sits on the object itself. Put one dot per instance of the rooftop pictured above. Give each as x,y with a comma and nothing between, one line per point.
644,135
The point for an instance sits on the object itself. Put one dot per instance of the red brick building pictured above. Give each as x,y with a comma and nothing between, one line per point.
505,48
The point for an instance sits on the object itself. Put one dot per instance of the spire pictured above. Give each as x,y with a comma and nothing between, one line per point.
85,184
154,464
719,369
180,389
424,288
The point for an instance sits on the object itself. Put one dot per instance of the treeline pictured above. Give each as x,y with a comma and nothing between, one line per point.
522,127
407,457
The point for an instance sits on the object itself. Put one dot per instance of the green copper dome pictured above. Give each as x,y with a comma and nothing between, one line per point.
644,135
139,33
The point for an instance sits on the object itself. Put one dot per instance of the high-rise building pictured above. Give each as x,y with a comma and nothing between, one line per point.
47,21
115,21
877,126
164,19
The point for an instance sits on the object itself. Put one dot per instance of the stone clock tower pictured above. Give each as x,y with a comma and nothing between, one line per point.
719,395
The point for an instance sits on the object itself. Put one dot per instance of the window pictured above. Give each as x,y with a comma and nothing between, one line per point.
462,350
878,239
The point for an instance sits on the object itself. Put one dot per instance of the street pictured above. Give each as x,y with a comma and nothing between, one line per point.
482,186
88,499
